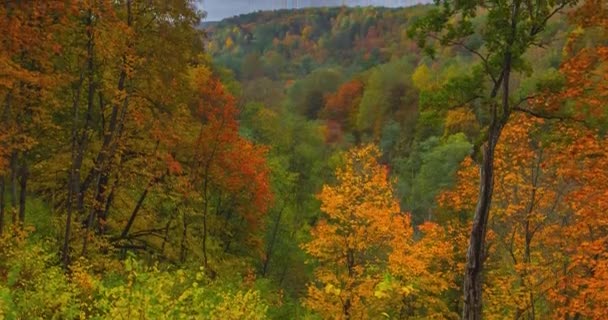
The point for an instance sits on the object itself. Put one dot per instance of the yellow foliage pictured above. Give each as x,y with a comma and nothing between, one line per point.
422,78
229,43
461,120
368,260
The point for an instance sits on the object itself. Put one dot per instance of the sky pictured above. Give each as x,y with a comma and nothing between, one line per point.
220,9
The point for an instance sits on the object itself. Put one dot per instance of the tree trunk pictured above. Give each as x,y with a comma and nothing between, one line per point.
275,231
182,245
473,277
1,204
14,169
101,199
116,122
23,176
78,144
205,260
135,211
103,216
476,252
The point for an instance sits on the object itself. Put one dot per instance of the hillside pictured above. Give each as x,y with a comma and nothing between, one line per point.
358,72
292,43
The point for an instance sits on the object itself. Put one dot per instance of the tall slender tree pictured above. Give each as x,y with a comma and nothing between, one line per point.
508,29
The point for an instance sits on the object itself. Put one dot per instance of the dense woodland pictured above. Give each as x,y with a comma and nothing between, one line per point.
434,162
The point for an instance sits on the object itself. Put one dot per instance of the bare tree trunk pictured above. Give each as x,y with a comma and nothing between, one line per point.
205,209
476,252
269,250
103,216
1,204
14,169
182,247
23,176
89,222
101,199
135,211
166,235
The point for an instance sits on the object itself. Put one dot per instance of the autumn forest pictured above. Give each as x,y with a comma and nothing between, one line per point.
440,161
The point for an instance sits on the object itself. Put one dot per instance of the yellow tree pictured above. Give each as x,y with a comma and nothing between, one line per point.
353,239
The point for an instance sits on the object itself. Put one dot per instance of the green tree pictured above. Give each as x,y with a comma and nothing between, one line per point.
508,30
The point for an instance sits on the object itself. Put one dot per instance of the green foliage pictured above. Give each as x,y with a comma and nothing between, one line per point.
156,294
307,95
385,93
430,168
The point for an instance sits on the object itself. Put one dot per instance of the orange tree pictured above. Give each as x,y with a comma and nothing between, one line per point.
547,232
368,263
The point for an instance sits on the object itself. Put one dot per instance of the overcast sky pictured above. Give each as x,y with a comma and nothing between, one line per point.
220,9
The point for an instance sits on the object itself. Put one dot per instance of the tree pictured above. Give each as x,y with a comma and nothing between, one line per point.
430,168
340,105
307,95
341,108
352,240
386,95
509,30
545,231
123,86
28,33
229,171
368,260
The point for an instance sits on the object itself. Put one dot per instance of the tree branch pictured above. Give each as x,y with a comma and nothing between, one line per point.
537,114
484,59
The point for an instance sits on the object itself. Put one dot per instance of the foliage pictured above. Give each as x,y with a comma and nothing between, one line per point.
363,237
309,164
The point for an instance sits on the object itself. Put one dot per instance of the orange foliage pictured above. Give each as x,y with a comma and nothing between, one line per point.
365,238
226,163
26,72
340,109
355,235
585,68
548,224
339,105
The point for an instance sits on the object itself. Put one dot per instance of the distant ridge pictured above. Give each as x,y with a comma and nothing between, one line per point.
221,9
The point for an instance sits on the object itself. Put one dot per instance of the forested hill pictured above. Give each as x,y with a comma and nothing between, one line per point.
358,76
292,43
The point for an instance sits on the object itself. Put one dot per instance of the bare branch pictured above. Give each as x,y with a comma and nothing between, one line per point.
537,114
484,59
539,27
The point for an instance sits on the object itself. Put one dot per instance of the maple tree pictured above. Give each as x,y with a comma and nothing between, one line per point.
353,238
365,238
340,109
580,291
510,29
230,170
537,220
